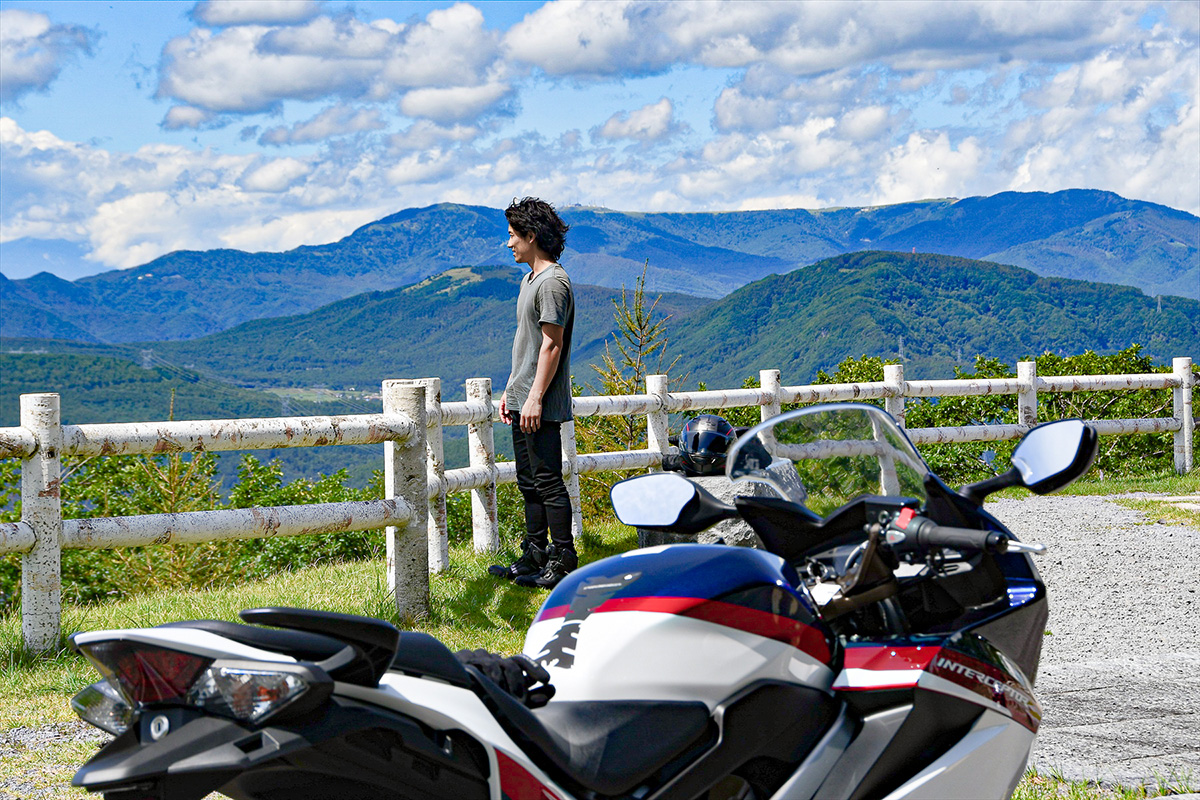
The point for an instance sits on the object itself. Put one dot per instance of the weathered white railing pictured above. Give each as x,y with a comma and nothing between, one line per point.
413,420
42,533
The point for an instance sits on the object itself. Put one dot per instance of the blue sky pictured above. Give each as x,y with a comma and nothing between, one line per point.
130,129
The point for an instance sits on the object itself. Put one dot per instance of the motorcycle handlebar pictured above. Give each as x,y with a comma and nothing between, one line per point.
925,534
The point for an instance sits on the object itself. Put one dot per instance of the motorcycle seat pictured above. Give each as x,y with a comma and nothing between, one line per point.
299,645
424,656
607,747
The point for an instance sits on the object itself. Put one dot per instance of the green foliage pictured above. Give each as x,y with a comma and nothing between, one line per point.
261,485
929,311
640,342
510,513
132,485
110,388
967,462
110,486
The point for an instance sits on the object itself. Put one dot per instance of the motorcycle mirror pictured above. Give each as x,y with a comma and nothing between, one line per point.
650,501
1049,457
1055,454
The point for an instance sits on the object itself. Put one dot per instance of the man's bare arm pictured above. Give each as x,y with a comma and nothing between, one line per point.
547,364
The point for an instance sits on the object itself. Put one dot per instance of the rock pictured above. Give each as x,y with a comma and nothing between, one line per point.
732,531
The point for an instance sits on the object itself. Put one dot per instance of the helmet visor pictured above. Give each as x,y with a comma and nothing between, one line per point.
708,443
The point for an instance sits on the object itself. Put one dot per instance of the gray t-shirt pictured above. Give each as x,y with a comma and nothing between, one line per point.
545,297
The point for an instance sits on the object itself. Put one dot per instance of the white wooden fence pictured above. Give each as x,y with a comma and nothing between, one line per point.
416,481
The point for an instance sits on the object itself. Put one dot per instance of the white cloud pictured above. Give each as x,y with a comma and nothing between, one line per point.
219,13
339,120
736,110
646,124
454,104
425,135
276,175
228,72
301,227
179,117
1126,121
33,51
816,104
252,68
925,168
809,37
572,37
450,48
335,38
866,123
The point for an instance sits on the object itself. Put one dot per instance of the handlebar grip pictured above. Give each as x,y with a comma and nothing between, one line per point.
927,534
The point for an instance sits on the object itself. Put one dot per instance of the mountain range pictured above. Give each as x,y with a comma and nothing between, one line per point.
1079,234
932,312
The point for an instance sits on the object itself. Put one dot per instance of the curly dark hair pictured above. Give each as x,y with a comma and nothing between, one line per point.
531,215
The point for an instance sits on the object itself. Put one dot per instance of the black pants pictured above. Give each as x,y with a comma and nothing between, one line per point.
539,477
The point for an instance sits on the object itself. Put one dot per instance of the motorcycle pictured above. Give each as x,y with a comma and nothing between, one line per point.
882,644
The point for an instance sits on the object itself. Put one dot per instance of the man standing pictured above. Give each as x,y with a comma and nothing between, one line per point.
537,399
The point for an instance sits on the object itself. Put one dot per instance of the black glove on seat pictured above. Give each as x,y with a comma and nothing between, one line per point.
517,675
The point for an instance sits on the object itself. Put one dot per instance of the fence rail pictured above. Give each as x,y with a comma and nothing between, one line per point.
416,481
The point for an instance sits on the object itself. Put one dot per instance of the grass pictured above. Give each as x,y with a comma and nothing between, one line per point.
1052,786
468,609
1164,483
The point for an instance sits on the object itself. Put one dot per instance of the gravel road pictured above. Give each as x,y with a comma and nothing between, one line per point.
1120,673
1119,679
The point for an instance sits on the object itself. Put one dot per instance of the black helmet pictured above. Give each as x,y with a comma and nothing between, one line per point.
703,443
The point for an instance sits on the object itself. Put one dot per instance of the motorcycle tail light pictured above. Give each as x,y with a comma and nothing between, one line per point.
245,693
146,673
102,705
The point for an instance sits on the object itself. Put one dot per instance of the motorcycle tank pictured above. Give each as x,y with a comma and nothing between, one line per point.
680,622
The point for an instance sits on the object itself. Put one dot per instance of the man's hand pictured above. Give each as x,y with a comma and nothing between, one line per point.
531,415
505,417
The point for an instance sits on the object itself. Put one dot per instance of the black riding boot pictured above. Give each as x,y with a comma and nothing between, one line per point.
531,563
561,561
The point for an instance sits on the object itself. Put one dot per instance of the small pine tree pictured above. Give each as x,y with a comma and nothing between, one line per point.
636,349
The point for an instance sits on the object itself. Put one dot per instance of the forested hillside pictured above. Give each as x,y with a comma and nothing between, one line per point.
98,388
930,312
457,325
1082,234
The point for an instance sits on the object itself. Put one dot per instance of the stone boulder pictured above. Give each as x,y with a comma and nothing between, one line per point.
731,531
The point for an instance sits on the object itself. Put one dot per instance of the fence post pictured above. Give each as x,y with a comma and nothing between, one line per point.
768,379
481,443
1027,408
41,509
439,541
1182,402
405,477
570,460
656,421
893,378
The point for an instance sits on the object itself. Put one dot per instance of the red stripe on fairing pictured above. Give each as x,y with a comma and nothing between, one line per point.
551,613
886,662
751,620
518,783
889,658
